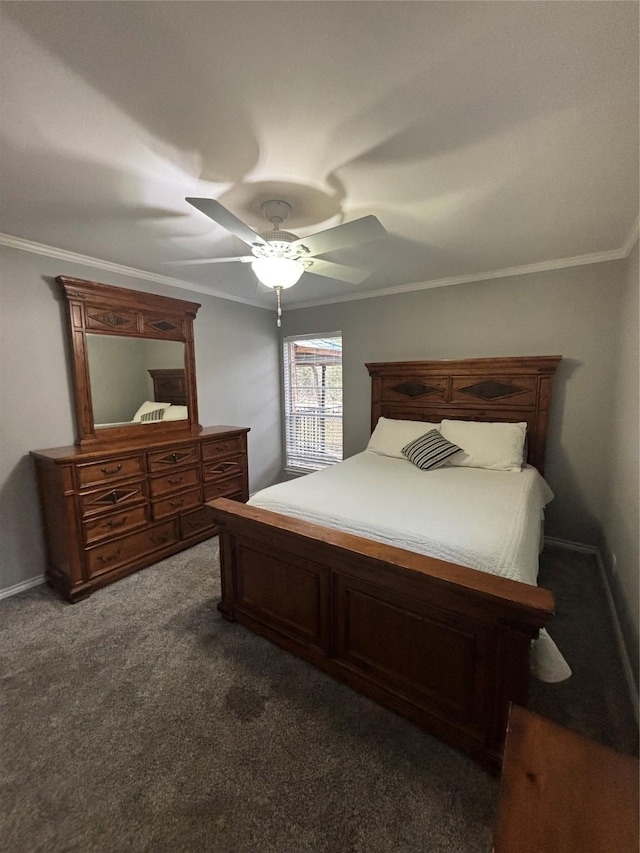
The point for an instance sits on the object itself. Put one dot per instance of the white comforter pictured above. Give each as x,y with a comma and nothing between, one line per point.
486,520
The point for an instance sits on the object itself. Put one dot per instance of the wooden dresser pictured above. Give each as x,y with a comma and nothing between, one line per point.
111,511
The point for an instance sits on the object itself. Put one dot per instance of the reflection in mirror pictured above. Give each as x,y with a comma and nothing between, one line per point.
119,375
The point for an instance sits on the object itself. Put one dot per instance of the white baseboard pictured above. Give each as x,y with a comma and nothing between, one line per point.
20,587
622,647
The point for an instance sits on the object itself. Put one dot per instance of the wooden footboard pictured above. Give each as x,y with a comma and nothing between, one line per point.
444,645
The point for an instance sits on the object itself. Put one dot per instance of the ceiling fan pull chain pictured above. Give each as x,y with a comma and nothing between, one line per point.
278,291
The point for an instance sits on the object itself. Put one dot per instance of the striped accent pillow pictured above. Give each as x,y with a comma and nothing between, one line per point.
430,450
156,415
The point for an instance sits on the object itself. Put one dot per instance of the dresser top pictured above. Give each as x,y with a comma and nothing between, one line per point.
73,453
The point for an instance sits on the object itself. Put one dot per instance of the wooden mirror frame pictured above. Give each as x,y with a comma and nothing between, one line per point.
96,308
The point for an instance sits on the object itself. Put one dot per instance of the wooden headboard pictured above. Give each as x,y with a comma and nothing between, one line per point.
471,389
169,386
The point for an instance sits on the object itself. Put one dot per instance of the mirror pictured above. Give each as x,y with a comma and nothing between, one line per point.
120,377
129,349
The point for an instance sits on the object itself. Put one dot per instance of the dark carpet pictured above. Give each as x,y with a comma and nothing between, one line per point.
139,720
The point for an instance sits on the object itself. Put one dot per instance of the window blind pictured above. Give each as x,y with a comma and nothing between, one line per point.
313,400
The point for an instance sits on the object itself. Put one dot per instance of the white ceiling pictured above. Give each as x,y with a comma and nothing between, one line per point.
485,136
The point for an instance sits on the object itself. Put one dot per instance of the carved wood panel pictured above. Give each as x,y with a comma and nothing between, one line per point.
292,596
484,389
387,637
120,312
414,388
507,390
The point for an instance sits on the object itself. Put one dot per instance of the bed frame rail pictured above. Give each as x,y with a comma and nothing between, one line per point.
444,645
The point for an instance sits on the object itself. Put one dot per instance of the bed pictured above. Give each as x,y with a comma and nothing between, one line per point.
169,400
438,628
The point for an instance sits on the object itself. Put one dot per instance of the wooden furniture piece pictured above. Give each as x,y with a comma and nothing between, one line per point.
98,309
511,390
445,645
562,792
127,496
169,386
111,511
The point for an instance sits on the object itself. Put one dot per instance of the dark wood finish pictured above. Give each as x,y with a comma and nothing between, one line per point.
169,386
473,389
109,511
102,309
445,645
561,792
442,644
128,496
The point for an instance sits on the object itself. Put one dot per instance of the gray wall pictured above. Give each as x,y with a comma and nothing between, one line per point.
117,389
621,520
237,367
589,315
572,312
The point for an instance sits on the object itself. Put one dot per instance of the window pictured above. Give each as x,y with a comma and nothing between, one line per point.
313,401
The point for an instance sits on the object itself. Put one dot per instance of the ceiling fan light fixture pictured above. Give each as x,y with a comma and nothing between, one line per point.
277,272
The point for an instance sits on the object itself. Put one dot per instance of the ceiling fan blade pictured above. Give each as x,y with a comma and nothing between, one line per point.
243,259
359,231
214,210
353,275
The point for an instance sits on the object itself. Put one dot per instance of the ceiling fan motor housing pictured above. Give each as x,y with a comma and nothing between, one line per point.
277,244
275,211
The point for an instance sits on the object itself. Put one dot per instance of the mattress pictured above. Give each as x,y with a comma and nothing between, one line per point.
482,519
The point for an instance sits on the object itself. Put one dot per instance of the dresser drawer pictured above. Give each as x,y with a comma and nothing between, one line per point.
112,497
114,524
214,469
105,558
174,504
174,482
230,487
114,468
196,521
175,457
221,447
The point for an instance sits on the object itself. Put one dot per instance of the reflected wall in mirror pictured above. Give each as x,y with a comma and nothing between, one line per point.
129,349
120,376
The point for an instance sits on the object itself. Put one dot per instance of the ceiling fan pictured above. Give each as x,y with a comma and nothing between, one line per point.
278,257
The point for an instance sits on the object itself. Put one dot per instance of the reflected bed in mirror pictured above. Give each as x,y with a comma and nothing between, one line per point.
133,364
129,375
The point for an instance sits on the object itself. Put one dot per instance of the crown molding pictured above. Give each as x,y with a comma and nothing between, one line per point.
132,272
526,269
118,269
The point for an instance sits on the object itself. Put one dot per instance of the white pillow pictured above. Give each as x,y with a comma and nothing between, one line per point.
390,436
498,446
149,406
175,413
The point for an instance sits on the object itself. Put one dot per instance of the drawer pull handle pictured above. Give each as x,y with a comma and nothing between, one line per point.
108,558
109,471
175,480
158,540
177,502
114,524
225,466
